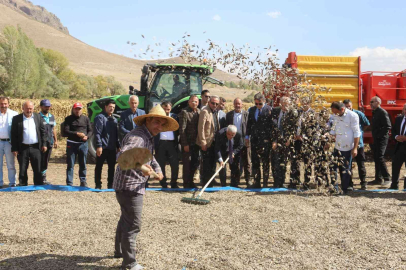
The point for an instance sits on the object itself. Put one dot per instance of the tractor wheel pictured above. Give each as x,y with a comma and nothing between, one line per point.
91,155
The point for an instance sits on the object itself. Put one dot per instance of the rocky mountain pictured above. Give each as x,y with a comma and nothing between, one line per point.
37,13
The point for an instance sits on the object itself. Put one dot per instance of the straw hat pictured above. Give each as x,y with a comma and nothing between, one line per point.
157,111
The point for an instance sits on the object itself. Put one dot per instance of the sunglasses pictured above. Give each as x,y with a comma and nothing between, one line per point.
206,96
259,103
214,103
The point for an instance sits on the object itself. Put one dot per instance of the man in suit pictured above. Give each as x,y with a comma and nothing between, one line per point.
166,149
229,144
28,140
126,123
381,125
208,126
239,118
399,158
188,125
283,134
258,136
6,117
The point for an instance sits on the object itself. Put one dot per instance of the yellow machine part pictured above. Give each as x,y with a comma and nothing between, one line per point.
341,75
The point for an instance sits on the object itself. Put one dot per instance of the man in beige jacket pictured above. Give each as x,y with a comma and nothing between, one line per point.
209,125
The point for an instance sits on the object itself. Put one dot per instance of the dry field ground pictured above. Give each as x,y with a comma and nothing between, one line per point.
238,230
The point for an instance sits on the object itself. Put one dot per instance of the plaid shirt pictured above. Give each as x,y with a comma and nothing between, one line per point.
134,180
188,123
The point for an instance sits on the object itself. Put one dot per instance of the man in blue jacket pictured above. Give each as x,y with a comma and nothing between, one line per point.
126,123
360,158
107,143
6,117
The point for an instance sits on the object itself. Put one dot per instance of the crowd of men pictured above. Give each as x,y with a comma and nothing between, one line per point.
264,135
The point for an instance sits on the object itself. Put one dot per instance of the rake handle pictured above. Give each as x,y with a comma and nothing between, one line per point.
152,173
211,179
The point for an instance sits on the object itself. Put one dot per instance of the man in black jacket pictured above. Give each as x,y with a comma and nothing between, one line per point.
107,143
239,118
229,144
28,140
258,136
166,149
78,129
381,125
399,158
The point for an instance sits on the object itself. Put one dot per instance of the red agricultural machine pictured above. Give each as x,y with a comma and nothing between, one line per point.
343,75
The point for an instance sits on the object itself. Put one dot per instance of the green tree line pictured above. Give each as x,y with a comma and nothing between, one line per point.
242,85
30,72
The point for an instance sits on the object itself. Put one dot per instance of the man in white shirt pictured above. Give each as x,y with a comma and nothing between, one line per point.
345,128
6,117
28,140
166,149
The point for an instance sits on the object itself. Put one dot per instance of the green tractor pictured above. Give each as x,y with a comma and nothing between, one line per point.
170,82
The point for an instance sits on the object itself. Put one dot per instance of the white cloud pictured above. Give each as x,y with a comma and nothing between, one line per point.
381,58
217,17
274,14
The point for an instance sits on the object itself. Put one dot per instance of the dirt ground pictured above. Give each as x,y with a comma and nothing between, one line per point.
237,230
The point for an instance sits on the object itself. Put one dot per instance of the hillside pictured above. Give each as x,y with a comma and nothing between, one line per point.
83,58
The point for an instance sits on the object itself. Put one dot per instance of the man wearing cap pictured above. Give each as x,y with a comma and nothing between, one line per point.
28,140
6,117
78,129
52,141
130,184
126,123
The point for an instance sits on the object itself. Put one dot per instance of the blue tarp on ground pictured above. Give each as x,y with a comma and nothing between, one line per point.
214,189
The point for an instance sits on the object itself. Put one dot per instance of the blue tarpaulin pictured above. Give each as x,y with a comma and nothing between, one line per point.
214,189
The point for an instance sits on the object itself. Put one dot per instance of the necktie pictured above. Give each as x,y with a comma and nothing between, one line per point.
230,151
259,113
403,128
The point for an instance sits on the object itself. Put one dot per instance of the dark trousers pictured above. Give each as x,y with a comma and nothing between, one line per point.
260,153
246,163
235,172
73,150
279,162
209,164
379,148
398,160
344,167
295,164
27,154
362,171
128,226
190,162
168,152
110,156
44,162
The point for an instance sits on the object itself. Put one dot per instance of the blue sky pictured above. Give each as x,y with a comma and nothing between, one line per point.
370,29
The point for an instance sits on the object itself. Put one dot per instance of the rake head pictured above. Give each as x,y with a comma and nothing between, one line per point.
195,201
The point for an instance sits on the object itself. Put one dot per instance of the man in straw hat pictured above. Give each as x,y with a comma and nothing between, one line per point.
130,184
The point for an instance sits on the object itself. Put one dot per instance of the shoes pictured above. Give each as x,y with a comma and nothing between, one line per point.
47,182
364,186
118,255
394,187
109,186
386,183
83,184
1,187
350,189
192,185
98,187
376,182
255,185
163,183
234,185
174,185
306,186
12,185
137,267
22,185
292,186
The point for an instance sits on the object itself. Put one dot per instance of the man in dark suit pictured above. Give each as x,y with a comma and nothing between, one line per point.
258,136
28,140
381,125
229,144
283,134
126,123
239,118
399,134
166,149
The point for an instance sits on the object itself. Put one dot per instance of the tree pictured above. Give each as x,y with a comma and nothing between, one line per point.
55,60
